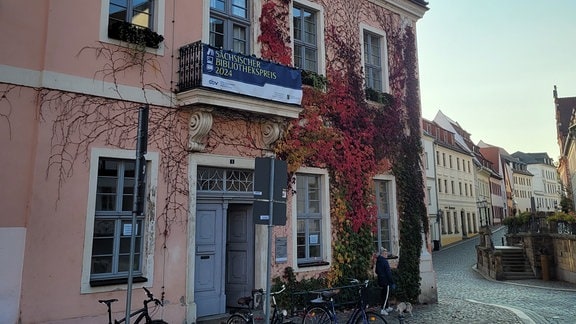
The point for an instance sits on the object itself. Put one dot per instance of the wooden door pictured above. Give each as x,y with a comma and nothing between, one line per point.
239,254
208,279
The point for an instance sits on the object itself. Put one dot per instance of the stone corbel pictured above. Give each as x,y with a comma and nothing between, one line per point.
199,126
271,132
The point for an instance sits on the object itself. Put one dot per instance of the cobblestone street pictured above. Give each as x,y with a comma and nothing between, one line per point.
465,296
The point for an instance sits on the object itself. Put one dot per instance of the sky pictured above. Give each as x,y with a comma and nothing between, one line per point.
491,66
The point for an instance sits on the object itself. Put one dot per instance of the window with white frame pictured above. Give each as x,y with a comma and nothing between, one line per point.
113,222
109,223
133,21
305,24
311,228
383,192
373,61
230,25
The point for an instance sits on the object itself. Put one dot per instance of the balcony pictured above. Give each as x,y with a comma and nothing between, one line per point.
209,76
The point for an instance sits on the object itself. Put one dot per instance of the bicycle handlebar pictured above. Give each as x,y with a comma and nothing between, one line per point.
279,291
357,282
148,293
261,291
151,298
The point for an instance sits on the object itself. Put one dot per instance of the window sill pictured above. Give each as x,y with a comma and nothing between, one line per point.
313,264
116,281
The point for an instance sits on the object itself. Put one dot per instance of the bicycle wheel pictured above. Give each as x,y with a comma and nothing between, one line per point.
317,315
371,318
238,319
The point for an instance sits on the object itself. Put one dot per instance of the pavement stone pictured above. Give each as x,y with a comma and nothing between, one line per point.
465,296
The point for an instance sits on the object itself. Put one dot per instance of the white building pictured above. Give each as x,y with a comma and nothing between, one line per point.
434,213
455,185
545,183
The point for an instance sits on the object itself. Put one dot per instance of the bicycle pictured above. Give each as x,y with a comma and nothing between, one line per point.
322,310
253,302
142,312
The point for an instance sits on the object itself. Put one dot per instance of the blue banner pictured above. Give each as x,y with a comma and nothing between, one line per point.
248,75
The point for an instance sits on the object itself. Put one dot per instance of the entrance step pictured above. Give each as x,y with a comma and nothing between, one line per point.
514,264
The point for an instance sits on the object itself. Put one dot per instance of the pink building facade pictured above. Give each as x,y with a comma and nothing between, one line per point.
73,76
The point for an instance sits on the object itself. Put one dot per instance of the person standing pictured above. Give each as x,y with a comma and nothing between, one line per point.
384,275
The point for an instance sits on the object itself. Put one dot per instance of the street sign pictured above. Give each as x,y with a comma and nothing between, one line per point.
270,182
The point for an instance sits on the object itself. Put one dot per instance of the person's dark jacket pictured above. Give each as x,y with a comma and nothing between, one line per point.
383,272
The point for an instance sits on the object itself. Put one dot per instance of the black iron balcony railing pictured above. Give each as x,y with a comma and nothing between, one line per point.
201,65
190,67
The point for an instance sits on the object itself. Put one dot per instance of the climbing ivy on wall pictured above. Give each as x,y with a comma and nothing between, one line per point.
354,140
410,183
275,39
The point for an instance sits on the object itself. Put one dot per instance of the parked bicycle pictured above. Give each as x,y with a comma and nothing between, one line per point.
142,313
322,310
254,302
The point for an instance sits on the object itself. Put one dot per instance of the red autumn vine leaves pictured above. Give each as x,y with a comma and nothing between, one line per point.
274,38
337,129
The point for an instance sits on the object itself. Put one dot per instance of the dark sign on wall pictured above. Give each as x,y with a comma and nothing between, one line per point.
269,193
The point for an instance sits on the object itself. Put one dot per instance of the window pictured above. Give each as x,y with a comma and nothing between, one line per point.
373,61
438,157
113,221
305,38
309,237
224,180
133,21
383,203
136,12
230,25
109,221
